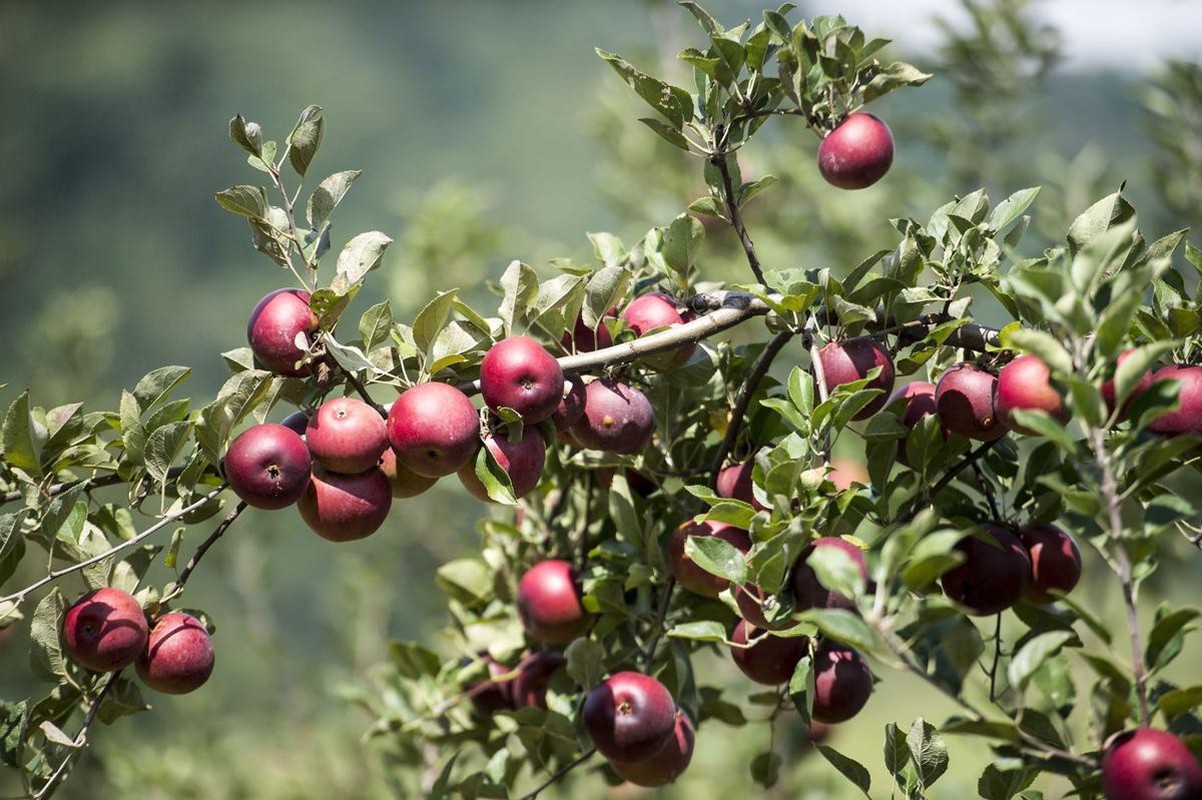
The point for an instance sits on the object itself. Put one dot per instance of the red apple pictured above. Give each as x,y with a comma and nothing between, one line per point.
653,311
274,324
919,398
668,763
584,339
842,683
535,672
346,435
1026,383
735,482
686,571
994,574
490,696
851,360
268,466
630,717
812,594
522,461
964,402
297,421
105,630
1055,561
1187,419
404,481
179,655
1140,388
769,660
857,153
434,429
518,373
571,404
1148,764
549,603
617,418
341,508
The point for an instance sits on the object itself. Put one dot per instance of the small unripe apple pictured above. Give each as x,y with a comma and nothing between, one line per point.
179,655
650,312
489,695
810,593
1055,561
630,717
994,574
535,672
669,762
1149,764
105,630
1140,388
842,683
273,326
964,402
297,421
341,508
549,603
268,466
518,373
434,429
857,153
686,571
735,482
584,339
346,435
770,660
617,418
571,404
404,481
919,398
851,360
522,461
1187,418
1026,383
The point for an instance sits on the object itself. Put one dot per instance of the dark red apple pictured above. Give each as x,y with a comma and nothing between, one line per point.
571,404
769,660
105,630
434,429
518,373
179,655
1055,561
490,696
852,360
1140,388
857,153
346,435
686,571
919,398
274,324
735,482
994,574
653,311
268,466
1187,419
341,508
522,461
584,339
404,481
964,402
812,594
549,603
1149,764
630,717
617,418
535,672
842,683
297,421
1026,383
669,762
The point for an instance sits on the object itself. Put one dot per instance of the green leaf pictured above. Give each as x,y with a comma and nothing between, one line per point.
765,769
361,255
998,784
1047,347
467,578
717,557
1043,424
752,188
1030,657
413,660
703,17
1107,212
248,136
248,201
606,287
375,324
897,752
45,649
851,769
328,195
305,138
1179,701
607,247
16,437
842,626
894,76
1165,630
666,132
12,544
432,319
586,662
1012,208
672,102
14,722
682,240
701,630
520,285
156,385
837,571
163,446
929,751
1130,370
123,699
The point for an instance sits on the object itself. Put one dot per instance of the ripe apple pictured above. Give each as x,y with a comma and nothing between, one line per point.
535,672
105,630
769,660
1025,383
994,574
404,481
273,326
1055,561
518,373
346,435
549,603
735,482
964,402
857,153
686,571
341,508
842,683
668,763
852,360
617,418
584,339
1187,419
434,429
653,311
754,606
490,696
179,655
1140,388
629,716
806,587
297,421
522,461
919,398
1149,764
571,404
268,466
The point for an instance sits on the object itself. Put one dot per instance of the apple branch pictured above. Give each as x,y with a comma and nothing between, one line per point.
718,159
564,770
177,588
87,484
657,629
81,738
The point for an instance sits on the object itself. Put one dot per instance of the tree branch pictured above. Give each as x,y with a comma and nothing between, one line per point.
95,482
758,371
732,210
80,739
178,587
564,770
658,629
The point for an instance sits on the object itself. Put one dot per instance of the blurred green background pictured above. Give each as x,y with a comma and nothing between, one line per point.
488,131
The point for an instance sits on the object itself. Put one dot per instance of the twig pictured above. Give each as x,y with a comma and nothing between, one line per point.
79,740
963,464
732,210
997,657
584,521
658,629
87,484
564,770
823,394
359,388
178,587
758,371
987,491
295,236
